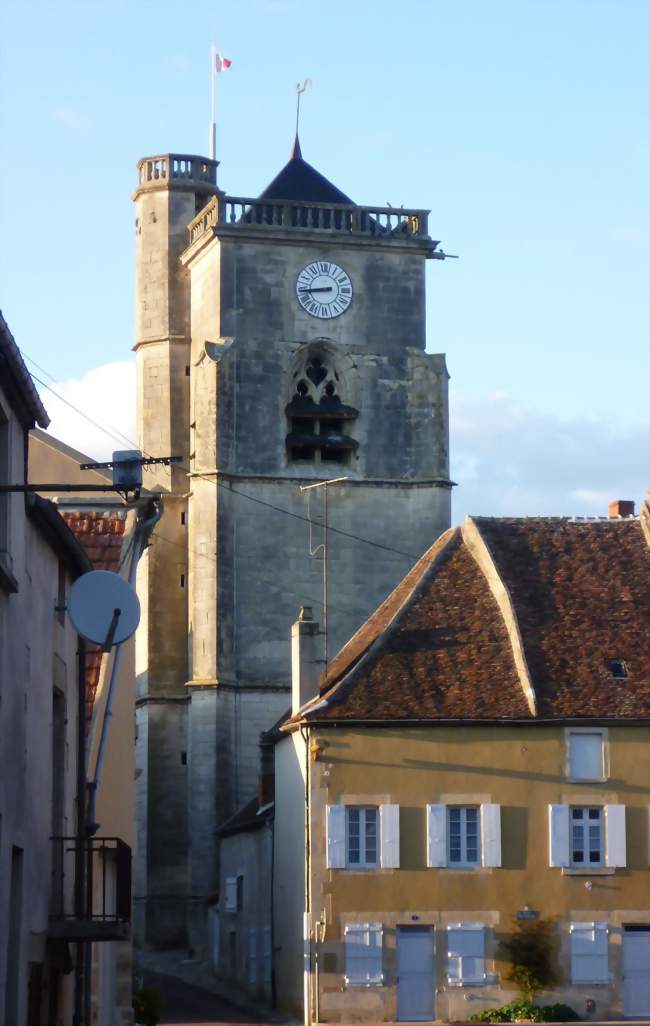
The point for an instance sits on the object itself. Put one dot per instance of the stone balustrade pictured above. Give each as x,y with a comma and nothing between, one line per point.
177,166
337,218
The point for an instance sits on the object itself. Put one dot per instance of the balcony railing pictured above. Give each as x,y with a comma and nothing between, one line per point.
337,218
91,889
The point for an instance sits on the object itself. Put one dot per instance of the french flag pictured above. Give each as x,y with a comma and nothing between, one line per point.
221,63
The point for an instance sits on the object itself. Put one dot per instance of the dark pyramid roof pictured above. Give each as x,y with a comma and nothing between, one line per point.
298,180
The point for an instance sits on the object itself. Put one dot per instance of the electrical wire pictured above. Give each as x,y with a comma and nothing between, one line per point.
118,436
268,583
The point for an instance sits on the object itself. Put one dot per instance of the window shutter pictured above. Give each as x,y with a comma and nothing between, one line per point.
589,959
586,756
363,953
336,836
466,954
389,834
231,894
436,836
558,835
615,854
491,834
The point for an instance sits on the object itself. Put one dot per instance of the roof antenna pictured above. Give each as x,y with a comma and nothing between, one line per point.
299,91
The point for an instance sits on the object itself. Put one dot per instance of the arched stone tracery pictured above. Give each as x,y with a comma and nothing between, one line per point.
319,420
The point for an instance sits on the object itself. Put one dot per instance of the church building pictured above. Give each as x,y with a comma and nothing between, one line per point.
280,344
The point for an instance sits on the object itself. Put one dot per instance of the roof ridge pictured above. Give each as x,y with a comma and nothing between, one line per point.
479,549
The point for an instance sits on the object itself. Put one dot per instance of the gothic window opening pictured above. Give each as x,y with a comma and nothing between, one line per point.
319,422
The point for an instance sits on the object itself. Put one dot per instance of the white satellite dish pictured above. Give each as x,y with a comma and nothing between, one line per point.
104,608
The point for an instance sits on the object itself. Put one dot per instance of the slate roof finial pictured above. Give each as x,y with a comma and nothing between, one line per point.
296,152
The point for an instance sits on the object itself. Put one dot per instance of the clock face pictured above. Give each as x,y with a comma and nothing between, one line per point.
324,289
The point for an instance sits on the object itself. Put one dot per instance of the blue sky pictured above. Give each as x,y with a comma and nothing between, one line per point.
521,124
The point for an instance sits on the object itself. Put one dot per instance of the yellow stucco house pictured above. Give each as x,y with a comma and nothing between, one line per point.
478,754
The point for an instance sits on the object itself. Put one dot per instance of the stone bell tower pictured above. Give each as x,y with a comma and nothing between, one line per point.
286,347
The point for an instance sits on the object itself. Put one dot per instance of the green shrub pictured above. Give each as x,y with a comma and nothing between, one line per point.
530,951
147,1006
560,1013
526,1010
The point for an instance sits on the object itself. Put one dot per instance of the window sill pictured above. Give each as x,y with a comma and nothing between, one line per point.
8,582
363,869
485,870
459,984
591,983
587,780
588,871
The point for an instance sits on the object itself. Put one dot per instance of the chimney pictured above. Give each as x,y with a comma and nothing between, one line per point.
621,508
305,659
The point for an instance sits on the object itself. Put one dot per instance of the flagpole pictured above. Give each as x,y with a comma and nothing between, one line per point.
213,122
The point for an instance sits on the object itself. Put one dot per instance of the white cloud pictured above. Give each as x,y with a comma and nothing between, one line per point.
71,119
106,395
508,460
512,461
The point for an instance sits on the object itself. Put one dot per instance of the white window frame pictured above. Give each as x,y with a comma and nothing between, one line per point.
464,862
583,825
363,862
372,942
489,836
573,733
230,895
596,934
459,978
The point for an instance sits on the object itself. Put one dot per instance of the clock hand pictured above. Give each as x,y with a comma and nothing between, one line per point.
323,288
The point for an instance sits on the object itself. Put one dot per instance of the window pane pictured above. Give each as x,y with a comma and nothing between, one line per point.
371,836
471,835
354,838
455,852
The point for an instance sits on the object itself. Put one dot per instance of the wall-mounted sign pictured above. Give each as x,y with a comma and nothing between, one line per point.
527,913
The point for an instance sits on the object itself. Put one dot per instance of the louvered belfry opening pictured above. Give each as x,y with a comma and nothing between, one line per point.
317,417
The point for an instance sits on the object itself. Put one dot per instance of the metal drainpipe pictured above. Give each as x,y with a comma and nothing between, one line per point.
304,733
140,538
81,828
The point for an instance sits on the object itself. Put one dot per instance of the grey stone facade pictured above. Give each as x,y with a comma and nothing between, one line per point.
222,345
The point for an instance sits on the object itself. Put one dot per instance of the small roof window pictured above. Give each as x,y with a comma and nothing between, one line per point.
617,668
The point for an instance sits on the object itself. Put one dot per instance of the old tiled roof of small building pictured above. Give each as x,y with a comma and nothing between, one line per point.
505,619
101,535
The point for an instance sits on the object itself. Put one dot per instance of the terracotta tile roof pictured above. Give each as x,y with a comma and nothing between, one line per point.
101,534
444,643
581,590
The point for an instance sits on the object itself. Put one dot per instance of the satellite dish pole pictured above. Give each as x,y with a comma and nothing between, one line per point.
105,609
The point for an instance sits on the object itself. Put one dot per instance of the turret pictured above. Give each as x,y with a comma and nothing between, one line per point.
171,190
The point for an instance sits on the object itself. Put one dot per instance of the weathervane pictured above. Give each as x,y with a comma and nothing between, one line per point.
299,91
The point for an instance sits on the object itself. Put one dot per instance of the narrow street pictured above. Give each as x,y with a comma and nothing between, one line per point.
185,1004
